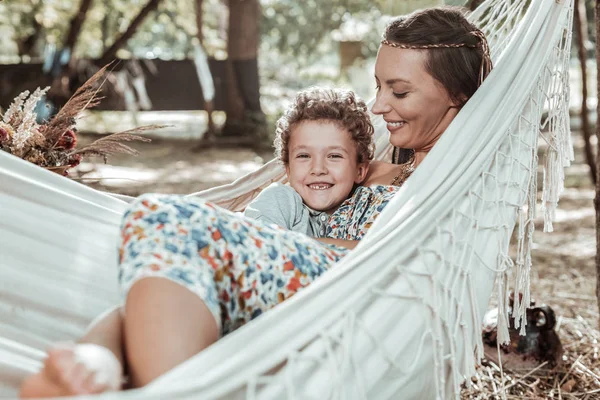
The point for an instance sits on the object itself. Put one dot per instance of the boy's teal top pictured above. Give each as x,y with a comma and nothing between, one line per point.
281,205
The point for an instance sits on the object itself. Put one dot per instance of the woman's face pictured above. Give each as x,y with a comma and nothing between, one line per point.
415,106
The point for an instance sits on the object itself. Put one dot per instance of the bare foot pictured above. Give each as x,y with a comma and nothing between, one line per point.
73,370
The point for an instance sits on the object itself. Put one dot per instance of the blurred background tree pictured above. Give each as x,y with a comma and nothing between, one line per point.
261,52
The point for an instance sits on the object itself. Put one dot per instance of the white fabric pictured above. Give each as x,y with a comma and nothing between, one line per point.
397,318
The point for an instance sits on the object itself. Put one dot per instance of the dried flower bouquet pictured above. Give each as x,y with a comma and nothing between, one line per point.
51,145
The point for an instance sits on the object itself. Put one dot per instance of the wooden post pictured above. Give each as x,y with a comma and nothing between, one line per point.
350,51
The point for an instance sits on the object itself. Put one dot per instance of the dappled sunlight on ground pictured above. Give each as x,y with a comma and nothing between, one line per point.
189,125
116,176
126,179
169,166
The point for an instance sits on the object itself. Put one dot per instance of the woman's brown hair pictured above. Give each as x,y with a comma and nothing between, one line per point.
457,51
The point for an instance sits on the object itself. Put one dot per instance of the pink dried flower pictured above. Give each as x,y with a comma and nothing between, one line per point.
6,132
67,141
75,160
3,135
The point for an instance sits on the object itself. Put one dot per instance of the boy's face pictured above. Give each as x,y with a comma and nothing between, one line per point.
323,165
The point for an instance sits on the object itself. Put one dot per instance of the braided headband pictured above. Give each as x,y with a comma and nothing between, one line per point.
486,61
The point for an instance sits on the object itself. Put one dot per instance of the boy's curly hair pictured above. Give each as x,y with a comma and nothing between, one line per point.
339,106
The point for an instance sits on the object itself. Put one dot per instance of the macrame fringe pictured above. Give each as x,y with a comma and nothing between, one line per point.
553,185
559,155
502,280
522,296
560,147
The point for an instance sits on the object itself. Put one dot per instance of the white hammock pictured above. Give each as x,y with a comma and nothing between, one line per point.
399,317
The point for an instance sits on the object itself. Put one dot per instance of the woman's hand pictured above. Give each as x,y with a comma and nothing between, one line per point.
348,244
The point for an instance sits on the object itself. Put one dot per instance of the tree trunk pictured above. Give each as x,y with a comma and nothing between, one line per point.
110,54
244,114
26,46
62,78
597,199
581,28
76,24
199,21
105,29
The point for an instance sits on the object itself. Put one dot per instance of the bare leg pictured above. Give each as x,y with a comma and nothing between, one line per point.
107,331
92,366
165,324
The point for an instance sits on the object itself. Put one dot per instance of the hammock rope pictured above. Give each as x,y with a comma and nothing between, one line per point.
406,305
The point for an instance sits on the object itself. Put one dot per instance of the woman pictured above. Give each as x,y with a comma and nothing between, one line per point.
429,64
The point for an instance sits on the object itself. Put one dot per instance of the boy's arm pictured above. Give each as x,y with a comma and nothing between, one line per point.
349,244
274,205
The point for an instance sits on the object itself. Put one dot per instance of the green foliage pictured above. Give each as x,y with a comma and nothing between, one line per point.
18,20
304,28
299,43
166,33
293,28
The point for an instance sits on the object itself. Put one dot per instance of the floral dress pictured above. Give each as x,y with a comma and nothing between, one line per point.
354,217
239,267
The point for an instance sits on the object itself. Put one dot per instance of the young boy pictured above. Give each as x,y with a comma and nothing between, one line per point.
325,142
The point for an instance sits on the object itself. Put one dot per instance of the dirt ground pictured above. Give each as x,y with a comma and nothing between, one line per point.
169,166
564,266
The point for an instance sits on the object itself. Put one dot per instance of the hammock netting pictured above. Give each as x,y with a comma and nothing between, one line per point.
399,317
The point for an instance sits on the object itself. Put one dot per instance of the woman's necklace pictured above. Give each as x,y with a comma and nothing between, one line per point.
405,170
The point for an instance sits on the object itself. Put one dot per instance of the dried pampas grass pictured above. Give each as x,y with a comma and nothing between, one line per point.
578,377
52,145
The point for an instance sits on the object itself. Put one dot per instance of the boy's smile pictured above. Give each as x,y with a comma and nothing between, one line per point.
320,186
